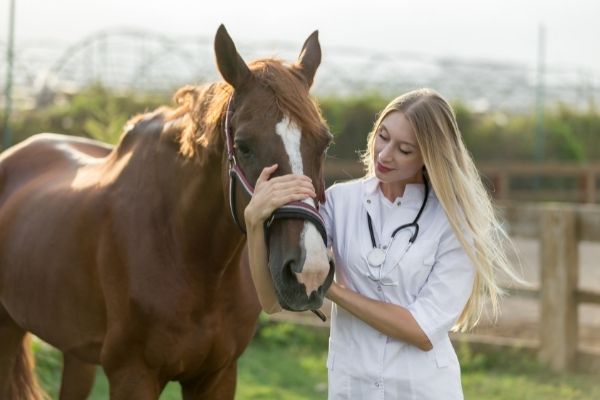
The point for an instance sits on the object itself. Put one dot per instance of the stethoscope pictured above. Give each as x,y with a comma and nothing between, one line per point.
377,256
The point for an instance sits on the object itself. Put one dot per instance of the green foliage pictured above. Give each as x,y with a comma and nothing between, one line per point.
350,120
570,135
94,112
287,361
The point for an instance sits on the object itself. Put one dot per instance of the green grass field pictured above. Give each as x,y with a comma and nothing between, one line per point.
287,362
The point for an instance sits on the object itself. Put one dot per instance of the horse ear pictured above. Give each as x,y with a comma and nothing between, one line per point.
310,57
231,66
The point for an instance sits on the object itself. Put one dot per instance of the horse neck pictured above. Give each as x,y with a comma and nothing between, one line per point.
187,194
204,209
208,206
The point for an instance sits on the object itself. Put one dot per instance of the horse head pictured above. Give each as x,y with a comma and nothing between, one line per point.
272,119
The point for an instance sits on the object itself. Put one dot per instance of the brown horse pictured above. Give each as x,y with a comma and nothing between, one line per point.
128,257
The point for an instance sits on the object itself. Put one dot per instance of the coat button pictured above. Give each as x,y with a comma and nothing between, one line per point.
376,384
369,201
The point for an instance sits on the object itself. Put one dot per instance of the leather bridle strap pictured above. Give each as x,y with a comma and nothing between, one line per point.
291,210
297,209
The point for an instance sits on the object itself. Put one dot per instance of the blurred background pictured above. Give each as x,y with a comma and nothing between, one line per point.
523,78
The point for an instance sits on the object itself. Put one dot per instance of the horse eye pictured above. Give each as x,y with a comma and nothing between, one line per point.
243,148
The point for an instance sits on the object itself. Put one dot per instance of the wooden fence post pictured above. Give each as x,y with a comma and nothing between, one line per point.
589,192
559,275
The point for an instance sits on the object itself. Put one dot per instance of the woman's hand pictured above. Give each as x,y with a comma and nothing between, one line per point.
270,194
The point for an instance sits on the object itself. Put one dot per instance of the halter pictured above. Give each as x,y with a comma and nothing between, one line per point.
293,210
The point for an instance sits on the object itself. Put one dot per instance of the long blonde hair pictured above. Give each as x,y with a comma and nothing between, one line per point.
461,193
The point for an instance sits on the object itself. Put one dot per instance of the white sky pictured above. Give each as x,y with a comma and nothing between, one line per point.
500,30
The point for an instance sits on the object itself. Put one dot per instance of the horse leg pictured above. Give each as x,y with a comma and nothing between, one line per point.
133,381
11,339
17,380
219,386
77,378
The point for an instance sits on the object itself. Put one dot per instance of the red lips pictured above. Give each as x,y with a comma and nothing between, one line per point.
383,169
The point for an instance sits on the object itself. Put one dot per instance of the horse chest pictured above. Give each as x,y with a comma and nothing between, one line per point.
197,348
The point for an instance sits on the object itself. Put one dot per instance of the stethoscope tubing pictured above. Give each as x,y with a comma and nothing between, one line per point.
414,224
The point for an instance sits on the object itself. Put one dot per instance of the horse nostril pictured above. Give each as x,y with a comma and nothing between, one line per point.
295,266
290,268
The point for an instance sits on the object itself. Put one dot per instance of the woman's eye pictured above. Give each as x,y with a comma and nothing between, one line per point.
406,152
382,136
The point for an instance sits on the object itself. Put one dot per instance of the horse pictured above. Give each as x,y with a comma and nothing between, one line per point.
130,257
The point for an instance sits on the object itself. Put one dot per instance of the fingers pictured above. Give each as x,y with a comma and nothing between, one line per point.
266,173
298,184
272,193
289,181
266,184
283,196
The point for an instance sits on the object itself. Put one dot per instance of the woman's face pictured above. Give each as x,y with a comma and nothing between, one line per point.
397,157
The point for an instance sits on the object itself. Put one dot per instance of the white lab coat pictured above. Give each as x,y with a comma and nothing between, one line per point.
433,280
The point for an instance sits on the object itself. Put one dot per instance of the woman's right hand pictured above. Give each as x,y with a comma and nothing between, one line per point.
270,194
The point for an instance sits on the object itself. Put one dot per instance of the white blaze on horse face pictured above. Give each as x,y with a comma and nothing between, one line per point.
316,264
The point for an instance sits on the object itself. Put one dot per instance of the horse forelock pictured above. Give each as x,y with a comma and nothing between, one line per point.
291,93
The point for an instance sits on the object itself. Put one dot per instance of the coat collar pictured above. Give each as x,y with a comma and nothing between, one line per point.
413,193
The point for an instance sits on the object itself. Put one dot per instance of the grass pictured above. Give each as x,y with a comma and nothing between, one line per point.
287,362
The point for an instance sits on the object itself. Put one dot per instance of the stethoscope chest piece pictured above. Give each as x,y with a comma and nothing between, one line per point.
376,257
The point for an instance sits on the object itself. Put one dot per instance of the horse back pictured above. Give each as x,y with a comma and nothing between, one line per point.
45,154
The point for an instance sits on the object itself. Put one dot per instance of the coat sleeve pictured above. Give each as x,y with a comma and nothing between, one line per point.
444,295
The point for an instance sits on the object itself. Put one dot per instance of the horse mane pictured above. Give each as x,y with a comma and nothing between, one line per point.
203,107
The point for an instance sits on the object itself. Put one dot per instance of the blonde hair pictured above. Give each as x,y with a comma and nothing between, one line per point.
461,193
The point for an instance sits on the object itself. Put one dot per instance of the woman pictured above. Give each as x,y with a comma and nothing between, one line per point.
417,248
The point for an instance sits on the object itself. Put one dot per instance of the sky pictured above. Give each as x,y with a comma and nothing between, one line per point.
495,30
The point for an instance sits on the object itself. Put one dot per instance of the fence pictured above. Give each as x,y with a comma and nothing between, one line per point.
581,181
559,228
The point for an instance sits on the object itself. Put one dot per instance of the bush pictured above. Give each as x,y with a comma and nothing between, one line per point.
569,135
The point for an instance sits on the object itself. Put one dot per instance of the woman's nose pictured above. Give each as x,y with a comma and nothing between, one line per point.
384,154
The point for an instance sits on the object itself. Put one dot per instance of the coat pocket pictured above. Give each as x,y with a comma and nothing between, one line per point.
444,353
415,266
